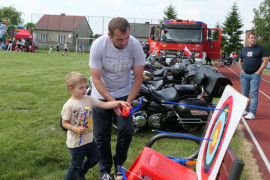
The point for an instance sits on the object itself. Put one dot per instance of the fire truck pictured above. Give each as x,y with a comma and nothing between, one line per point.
174,36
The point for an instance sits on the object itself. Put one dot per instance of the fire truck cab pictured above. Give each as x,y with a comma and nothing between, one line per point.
173,36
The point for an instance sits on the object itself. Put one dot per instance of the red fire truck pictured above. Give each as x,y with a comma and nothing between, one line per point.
173,36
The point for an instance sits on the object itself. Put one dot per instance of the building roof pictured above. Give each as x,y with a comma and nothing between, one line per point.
59,22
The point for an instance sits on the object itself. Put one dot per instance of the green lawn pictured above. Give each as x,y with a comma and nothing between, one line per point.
33,91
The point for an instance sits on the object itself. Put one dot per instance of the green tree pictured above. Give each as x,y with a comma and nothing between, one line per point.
215,34
170,13
12,14
231,31
10,30
261,24
30,27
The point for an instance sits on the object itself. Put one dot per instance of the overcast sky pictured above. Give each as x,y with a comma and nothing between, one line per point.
208,11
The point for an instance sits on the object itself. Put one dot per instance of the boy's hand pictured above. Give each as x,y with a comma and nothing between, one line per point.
81,130
118,110
124,103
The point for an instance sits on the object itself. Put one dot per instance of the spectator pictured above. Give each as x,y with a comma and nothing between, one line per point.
9,48
234,56
23,45
253,59
13,43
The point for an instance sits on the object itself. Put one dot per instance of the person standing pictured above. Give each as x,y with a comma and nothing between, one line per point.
252,61
112,58
23,45
9,48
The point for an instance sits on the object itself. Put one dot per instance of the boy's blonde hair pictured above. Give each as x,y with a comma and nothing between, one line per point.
73,78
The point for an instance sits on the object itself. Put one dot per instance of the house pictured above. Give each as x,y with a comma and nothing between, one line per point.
140,30
53,29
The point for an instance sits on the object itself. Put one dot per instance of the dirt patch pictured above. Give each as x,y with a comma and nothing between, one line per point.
251,169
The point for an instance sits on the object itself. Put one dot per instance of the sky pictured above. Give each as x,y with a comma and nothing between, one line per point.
209,11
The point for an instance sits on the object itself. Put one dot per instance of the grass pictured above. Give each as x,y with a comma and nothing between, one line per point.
33,91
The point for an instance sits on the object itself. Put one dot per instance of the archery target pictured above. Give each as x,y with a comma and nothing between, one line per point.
217,135
220,129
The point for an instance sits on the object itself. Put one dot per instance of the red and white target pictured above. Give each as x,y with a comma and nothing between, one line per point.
220,130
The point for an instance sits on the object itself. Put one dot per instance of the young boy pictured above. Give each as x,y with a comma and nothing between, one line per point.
66,49
80,49
57,49
50,50
73,115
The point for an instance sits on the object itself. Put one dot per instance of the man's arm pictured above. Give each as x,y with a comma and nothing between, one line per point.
138,79
263,65
103,91
240,65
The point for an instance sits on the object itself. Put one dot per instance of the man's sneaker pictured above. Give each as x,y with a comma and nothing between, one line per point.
250,115
105,176
118,173
245,113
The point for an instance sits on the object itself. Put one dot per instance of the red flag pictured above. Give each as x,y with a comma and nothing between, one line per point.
187,51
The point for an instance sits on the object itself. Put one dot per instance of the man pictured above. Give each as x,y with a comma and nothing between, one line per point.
253,59
112,57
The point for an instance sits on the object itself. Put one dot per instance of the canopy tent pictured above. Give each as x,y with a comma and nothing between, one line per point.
24,34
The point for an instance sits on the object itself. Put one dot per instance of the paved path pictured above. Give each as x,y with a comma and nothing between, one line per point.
257,131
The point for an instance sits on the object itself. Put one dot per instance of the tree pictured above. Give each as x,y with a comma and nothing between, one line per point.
231,31
170,13
216,33
30,27
12,14
10,30
262,25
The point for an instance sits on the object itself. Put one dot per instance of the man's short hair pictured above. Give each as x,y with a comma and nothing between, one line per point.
73,78
118,23
252,33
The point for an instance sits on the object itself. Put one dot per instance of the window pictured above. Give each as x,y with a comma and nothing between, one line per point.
43,37
61,39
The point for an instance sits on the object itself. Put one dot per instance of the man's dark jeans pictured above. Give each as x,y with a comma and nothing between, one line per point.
102,130
79,165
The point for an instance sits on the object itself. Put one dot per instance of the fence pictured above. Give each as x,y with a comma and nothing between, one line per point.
58,29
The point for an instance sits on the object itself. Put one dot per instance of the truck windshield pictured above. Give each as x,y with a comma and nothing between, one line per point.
188,36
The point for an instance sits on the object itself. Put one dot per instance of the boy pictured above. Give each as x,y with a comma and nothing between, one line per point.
80,138
80,49
66,49
57,49
50,50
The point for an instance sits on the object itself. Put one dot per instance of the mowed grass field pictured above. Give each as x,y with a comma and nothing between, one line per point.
32,144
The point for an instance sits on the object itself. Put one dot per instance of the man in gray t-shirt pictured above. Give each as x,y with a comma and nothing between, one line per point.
112,58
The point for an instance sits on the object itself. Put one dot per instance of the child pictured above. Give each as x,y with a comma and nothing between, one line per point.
66,49
16,48
50,50
73,116
80,49
57,49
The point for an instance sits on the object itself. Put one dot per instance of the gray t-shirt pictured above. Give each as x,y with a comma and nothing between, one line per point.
116,64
